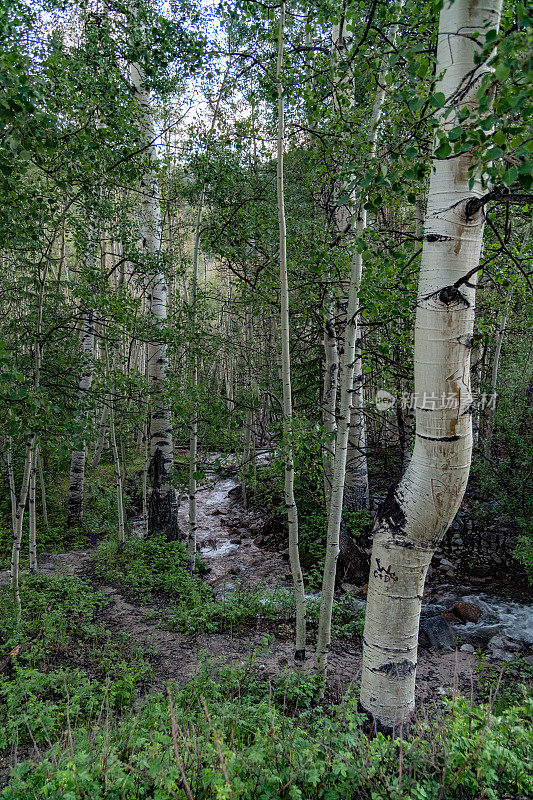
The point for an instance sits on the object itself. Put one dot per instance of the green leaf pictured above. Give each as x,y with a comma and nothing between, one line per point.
444,150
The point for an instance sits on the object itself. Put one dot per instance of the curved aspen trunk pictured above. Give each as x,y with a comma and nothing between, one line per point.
163,499
19,518
345,421
32,517
290,502
415,515
78,458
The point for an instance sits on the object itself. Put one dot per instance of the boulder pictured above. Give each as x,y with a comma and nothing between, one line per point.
436,632
467,612
467,648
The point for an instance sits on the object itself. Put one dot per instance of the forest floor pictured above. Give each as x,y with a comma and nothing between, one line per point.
226,534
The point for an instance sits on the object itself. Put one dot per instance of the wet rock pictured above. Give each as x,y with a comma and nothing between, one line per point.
449,616
467,612
234,532
235,540
234,570
480,637
436,632
504,643
467,648
259,540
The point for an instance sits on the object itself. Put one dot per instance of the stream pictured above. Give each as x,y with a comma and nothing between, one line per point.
226,534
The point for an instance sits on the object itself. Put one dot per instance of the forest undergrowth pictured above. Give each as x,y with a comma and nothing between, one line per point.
83,717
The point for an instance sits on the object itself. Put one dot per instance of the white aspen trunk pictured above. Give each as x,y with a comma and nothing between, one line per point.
42,483
356,490
32,517
193,422
78,458
329,400
17,530
145,478
290,502
118,478
345,420
248,432
415,516
11,479
102,427
163,500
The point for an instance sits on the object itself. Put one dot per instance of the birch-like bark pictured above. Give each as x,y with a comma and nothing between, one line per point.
32,517
351,384
42,483
290,502
100,444
17,530
118,478
193,422
11,480
163,500
415,516
329,399
78,457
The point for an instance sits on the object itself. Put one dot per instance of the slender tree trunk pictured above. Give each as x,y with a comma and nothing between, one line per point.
329,399
78,458
11,479
19,518
415,516
290,502
118,478
32,518
44,507
346,420
193,422
101,438
496,361
356,490
163,500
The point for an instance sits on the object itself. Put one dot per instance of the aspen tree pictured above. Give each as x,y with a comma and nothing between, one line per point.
78,457
349,365
290,502
32,519
416,514
44,508
193,423
163,500
19,518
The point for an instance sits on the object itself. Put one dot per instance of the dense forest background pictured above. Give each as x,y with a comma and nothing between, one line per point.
217,339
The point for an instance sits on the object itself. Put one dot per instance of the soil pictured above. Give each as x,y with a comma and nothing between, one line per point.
231,548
